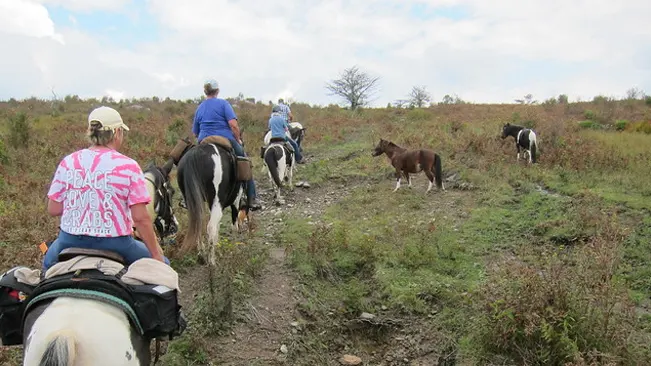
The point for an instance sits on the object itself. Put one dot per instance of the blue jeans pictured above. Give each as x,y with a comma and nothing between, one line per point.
250,185
126,246
297,151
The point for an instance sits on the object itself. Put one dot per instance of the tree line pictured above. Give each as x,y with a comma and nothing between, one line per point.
357,89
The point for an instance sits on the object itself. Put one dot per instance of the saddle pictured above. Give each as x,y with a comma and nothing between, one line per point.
289,149
243,165
147,291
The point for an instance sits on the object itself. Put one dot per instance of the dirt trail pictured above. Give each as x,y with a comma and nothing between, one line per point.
268,315
271,311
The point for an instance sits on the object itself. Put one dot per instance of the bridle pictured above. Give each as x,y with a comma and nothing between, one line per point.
163,205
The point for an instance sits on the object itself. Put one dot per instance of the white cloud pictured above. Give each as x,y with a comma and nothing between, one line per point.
116,95
269,49
26,18
87,5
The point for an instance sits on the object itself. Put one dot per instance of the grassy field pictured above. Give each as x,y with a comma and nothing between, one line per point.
512,264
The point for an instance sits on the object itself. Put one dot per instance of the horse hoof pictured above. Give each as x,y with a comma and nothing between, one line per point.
201,260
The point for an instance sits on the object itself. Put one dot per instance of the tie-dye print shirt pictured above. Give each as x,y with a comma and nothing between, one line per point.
97,187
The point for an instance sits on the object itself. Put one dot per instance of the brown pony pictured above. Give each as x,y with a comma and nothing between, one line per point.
411,161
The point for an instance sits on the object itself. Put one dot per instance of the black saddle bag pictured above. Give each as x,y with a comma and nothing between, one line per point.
12,305
158,309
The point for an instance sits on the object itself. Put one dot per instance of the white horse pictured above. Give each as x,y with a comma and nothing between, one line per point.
78,332
280,167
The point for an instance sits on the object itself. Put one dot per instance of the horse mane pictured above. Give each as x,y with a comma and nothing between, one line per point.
389,143
514,127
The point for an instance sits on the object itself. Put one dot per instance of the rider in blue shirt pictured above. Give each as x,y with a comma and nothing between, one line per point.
215,117
279,129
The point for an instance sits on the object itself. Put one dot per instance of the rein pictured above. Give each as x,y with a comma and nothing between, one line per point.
163,203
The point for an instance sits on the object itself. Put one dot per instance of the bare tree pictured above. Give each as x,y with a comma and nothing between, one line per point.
400,103
448,99
528,99
354,86
634,93
419,96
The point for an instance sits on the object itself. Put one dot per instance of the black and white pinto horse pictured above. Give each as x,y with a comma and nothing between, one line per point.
296,133
280,164
525,139
73,332
207,173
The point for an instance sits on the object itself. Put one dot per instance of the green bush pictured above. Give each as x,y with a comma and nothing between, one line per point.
589,124
562,99
588,114
4,157
561,310
620,124
418,115
19,130
175,131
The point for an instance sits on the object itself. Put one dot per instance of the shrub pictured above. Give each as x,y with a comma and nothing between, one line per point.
418,115
644,127
562,99
568,309
588,114
620,124
175,131
589,124
4,157
19,130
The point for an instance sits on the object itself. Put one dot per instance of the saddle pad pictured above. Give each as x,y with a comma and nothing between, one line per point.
106,266
90,295
28,276
219,140
151,272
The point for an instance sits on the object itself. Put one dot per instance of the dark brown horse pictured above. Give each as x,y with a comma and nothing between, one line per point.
411,162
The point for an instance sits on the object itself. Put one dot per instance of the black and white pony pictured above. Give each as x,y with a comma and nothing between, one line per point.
208,172
296,133
525,138
71,331
280,164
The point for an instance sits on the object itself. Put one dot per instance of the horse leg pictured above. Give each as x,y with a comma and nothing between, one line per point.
518,147
235,226
398,176
213,230
430,178
279,197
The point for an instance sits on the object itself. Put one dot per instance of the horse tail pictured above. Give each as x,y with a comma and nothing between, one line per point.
438,175
194,198
272,163
533,141
61,351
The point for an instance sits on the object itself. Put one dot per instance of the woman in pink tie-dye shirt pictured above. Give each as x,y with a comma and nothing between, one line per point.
100,195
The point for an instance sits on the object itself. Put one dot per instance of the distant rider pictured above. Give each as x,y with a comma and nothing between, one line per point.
215,117
280,129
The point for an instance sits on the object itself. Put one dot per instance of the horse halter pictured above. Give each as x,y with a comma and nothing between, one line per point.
163,207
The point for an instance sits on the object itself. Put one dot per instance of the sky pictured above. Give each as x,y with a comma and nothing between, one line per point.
483,51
